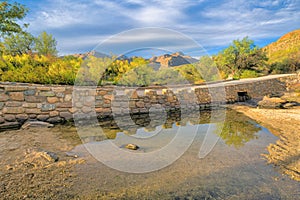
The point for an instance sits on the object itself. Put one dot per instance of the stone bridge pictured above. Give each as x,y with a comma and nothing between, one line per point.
20,102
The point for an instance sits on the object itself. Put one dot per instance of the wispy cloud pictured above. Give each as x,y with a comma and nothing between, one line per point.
212,24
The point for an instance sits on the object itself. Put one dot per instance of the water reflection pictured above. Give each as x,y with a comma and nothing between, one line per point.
236,130
226,173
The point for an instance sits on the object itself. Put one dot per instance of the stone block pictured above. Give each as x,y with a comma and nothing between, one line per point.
32,111
16,96
2,120
52,100
43,88
66,115
15,88
10,118
58,89
48,107
86,109
29,92
102,92
1,105
55,120
10,125
109,97
140,104
42,117
13,110
32,116
3,97
13,104
35,99
60,94
21,118
29,105
99,97
47,94
106,101
53,113
62,109
107,105
64,105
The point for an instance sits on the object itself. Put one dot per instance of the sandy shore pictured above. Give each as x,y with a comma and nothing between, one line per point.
285,123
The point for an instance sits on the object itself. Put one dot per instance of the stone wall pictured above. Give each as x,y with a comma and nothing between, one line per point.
56,104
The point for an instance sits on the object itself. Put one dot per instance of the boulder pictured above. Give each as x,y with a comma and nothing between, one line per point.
271,103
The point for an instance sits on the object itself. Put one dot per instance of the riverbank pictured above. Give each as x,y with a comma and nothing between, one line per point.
285,123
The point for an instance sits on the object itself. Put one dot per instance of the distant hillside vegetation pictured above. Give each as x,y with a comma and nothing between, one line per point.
286,47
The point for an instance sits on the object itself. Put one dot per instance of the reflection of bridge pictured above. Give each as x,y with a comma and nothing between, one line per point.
21,102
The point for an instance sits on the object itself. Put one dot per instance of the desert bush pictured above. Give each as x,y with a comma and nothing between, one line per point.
249,74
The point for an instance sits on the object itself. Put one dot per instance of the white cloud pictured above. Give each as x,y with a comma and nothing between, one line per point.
209,23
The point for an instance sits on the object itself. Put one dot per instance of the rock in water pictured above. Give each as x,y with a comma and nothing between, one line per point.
132,146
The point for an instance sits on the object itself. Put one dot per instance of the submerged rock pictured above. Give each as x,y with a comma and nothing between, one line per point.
132,146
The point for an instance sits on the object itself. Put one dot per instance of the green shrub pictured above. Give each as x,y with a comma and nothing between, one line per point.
249,74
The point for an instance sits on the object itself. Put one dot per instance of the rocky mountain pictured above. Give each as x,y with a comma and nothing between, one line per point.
166,60
172,60
286,47
91,53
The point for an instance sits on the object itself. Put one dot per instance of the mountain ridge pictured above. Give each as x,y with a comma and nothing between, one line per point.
286,47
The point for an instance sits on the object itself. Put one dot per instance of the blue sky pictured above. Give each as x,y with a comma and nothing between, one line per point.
79,26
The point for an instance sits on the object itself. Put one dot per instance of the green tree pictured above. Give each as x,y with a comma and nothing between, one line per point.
18,43
190,73
92,70
208,69
169,76
10,13
241,55
139,76
45,44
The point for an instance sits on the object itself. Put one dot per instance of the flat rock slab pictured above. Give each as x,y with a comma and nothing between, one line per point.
271,103
37,124
9,126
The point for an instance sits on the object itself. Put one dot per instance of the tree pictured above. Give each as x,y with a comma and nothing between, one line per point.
190,73
139,76
9,14
18,43
169,76
45,44
241,55
208,69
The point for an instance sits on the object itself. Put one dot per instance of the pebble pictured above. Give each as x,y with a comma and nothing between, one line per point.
132,146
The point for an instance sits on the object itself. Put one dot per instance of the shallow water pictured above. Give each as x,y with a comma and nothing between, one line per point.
210,157
232,166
